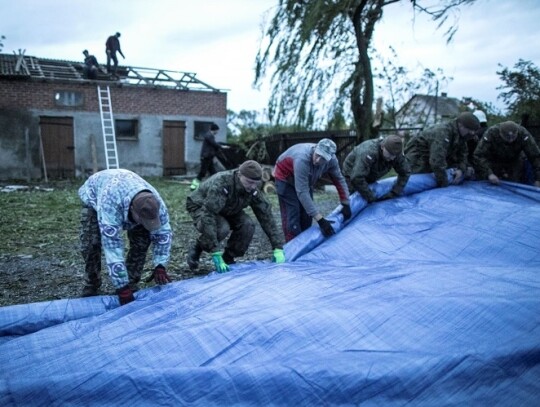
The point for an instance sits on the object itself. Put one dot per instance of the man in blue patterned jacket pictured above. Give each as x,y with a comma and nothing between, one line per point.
113,201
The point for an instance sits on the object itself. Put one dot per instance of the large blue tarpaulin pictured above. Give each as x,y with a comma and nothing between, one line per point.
429,299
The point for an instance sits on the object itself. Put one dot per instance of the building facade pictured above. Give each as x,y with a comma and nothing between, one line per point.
51,123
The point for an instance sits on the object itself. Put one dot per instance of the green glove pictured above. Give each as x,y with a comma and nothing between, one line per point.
221,266
279,256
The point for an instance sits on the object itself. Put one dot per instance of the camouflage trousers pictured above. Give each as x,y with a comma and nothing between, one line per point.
90,241
240,226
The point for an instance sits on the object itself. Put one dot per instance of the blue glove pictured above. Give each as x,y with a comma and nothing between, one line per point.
278,256
221,266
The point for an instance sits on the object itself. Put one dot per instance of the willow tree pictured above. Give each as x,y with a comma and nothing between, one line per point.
319,53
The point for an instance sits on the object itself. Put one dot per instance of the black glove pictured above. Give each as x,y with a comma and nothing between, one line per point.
159,275
125,295
388,195
326,227
346,211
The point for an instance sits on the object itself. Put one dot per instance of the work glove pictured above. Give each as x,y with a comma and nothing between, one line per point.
326,227
346,211
388,195
159,275
278,256
221,266
493,179
458,177
125,295
370,198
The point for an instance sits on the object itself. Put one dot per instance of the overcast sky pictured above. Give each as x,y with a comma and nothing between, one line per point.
218,39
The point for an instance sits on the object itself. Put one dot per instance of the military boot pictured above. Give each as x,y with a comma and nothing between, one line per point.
228,258
194,253
89,291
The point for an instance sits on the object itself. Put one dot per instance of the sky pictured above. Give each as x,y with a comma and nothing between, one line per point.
218,39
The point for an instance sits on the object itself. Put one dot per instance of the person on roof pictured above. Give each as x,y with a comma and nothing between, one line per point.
112,46
217,208
113,201
373,159
209,150
297,170
91,66
443,146
501,153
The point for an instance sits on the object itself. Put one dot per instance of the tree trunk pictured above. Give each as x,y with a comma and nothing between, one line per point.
361,103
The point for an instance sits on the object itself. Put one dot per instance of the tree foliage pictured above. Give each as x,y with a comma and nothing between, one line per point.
319,52
400,84
521,93
2,38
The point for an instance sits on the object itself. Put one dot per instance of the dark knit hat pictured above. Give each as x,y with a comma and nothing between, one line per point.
145,210
214,127
252,170
469,121
509,130
393,144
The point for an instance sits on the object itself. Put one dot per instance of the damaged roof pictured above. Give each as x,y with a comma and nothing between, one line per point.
23,67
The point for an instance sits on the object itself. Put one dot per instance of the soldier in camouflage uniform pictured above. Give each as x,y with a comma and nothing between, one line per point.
501,152
217,207
372,160
113,201
443,146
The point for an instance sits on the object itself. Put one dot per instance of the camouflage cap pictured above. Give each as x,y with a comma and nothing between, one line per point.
393,144
469,121
145,210
509,130
325,148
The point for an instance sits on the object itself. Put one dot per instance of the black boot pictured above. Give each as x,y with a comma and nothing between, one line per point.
194,253
228,258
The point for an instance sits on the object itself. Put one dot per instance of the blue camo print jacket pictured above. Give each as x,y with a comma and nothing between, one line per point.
110,193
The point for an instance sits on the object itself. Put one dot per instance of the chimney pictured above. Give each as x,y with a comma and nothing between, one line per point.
444,94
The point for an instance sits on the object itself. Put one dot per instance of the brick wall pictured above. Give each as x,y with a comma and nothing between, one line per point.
129,99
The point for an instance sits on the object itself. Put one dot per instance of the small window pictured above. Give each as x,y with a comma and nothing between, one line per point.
126,129
201,128
68,98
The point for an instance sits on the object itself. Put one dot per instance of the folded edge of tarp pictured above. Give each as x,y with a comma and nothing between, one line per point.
312,237
23,319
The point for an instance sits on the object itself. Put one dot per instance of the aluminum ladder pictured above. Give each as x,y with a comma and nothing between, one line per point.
107,125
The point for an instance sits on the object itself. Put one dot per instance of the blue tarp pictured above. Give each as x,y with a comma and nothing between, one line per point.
430,299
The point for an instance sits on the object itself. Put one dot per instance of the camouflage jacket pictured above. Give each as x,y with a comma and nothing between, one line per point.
366,164
436,149
223,194
493,149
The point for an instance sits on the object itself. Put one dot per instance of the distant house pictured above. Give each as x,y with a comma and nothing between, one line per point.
424,110
50,119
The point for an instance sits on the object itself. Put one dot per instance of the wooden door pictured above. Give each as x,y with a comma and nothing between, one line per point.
58,146
174,160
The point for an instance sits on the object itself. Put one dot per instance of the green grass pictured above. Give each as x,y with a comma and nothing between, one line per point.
45,224
39,222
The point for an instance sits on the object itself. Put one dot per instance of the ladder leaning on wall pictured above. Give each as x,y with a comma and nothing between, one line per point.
107,125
